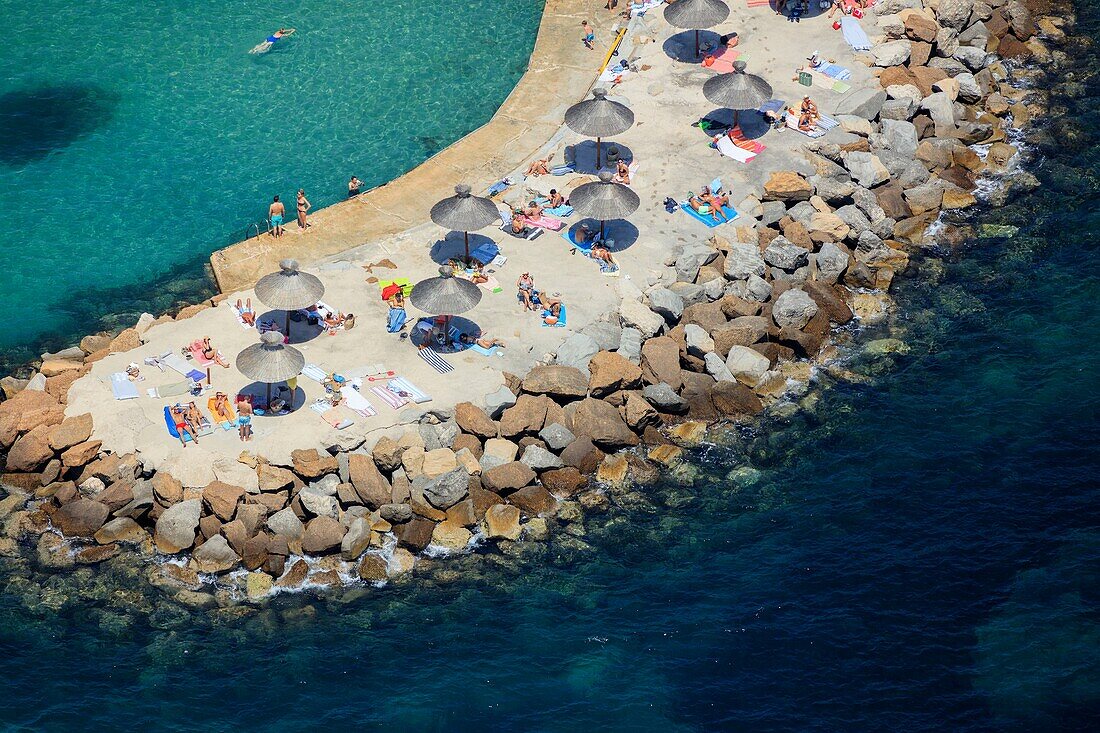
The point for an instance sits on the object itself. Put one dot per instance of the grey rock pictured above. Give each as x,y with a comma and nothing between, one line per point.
37,383
969,89
831,262
976,35
973,58
854,218
667,303
556,436
630,345
868,204
757,289
498,401
326,485
714,288
892,53
863,102
773,212
899,109
802,212
692,257
286,524
954,13
445,491
869,241
576,351
743,260
177,524
900,137
783,253
698,340
913,173
794,308
884,228
716,367
866,168
664,398
538,458
903,91
356,539
636,315
216,553
605,334
747,365
949,66
832,189
395,513
690,293
318,504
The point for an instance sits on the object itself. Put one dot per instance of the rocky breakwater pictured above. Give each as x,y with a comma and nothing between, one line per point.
721,329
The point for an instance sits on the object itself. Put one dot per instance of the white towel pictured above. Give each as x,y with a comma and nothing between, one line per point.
729,149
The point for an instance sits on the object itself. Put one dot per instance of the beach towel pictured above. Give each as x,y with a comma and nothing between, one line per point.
561,318
792,123
224,424
836,71
175,389
179,364
356,402
395,321
637,9
237,313
435,361
390,398
314,372
500,186
122,387
196,348
730,149
825,122
331,415
722,62
828,82
267,326
614,74
854,34
485,253
582,246
708,219
559,211
403,387
772,105
545,222
564,169
404,283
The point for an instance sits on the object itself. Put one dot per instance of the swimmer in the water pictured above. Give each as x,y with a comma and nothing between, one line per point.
270,41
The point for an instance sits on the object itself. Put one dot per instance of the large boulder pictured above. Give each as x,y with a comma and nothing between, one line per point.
602,423
557,380
80,518
830,262
744,260
794,308
954,13
666,303
784,254
445,491
661,361
866,168
416,534
574,352
175,527
611,373
787,186
214,556
732,399
502,522
538,458
892,53
322,534
222,499
508,477
371,486
31,451
900,137
865,102
634,314
747,365
451,535
285,523
71,431
311,463
534,501
664,398
691,258
526,416
475,421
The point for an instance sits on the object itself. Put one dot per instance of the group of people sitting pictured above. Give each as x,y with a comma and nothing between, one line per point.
532,299
710,202
523,218
190,421
808,115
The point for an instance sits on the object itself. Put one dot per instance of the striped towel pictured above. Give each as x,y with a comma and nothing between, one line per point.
356,402
314,372
435,361
402,386
391,399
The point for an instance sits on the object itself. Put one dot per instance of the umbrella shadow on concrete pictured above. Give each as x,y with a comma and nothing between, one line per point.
301,331
681,46
452,246
432,339
623,233
584,154
295,399
753,124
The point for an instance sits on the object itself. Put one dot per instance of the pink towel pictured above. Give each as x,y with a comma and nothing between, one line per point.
391,399
196,351
546,222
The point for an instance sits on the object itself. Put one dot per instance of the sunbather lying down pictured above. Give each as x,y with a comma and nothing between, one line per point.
247,314
540,167
480,339
708,202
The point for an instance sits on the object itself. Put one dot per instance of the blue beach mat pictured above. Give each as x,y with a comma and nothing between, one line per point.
561,318
567,233
559,211
171,424
708,219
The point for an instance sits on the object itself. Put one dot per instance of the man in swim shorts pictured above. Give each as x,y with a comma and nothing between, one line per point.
276,212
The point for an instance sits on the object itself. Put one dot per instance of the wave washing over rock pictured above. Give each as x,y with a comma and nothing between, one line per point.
733,328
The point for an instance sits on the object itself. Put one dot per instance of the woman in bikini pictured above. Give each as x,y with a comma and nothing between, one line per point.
538,167
303,207
222,411
534,211
553,313
600,252
210,353
182,428
556,199
194,417
246,313
622,173
519,223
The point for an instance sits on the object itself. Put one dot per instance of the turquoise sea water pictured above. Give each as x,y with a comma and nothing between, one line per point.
136,138
915,553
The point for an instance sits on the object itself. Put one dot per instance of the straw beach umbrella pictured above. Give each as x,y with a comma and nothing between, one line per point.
289,289
599,117
737,91
696,15
445,296
604,199
464,213
270,361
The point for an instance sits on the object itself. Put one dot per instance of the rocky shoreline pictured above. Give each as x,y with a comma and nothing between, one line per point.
725,331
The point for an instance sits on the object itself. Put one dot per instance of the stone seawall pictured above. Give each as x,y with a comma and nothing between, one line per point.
725,329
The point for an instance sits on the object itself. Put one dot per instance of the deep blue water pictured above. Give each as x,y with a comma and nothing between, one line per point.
916,553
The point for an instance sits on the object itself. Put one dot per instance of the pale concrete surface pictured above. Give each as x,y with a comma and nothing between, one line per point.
673,158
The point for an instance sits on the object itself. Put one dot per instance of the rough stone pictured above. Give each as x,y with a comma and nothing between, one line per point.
511,476
214,556
746,365
602,423
80,518
661,362
312,464
636,315
502,522
787,186
175,527
448,489
322,534
534,501
286,523
793,307
558,380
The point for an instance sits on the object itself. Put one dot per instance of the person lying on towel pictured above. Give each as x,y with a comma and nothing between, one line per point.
480,339
519,224
602,253
708,203
533,211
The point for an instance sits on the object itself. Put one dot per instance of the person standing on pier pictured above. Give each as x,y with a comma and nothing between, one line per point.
275,213
303,207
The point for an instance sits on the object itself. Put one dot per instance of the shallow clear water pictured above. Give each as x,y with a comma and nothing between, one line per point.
136,138
914,554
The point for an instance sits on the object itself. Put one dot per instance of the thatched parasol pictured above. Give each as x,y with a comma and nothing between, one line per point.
599,117
289,289
604,199
737,91
445,295
696,15
464,213
270,361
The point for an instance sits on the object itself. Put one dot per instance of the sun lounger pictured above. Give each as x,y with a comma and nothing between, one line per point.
331,415
435,361
225,424
405,388
179,364
356,402
122,387
389,397
709,219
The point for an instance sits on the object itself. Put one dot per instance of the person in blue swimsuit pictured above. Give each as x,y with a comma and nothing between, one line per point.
275,213
267,43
